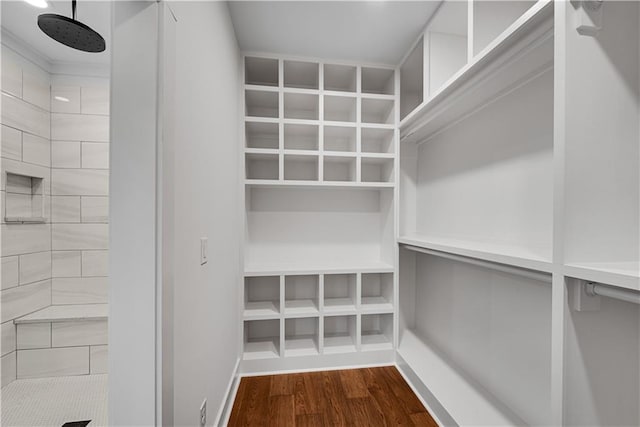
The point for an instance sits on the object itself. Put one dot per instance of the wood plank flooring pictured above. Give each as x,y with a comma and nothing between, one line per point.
354,397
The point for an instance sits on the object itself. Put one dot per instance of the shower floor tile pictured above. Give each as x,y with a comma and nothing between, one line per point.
55,401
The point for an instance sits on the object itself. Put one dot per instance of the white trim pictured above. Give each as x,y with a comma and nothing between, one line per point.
224,412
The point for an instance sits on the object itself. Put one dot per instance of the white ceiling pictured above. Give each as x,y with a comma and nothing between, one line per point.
360,31
21,21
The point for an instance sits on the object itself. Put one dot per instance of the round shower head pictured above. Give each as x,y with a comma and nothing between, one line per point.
70,32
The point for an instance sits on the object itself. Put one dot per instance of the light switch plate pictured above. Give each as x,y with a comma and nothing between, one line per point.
204,250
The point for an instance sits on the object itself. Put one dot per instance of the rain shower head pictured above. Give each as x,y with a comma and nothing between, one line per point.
70,32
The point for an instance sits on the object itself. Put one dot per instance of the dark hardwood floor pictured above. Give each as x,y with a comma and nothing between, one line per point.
354,397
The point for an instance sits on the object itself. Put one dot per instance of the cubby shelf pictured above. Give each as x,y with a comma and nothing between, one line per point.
346,267
499,253
622,274
309,183
322,313
521,52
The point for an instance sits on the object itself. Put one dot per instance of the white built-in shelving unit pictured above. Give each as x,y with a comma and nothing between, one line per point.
320,254
518,185
497,260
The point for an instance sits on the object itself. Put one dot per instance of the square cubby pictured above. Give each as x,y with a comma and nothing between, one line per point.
301,336
261,71
262,135
339,292
377,291
340,108
262,166
302,106
339,168
378,111
261,296
340,138
299,167
301,74
340,334
378,81
341,78
376,169
377,140
376,332
260,103
301,295
261,339
301,137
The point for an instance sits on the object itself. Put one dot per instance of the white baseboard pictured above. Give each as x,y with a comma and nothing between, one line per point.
222,418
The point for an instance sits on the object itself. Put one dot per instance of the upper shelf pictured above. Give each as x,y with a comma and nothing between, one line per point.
521,52
501,254
622,274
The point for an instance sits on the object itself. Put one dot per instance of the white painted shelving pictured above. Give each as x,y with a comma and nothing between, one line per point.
319,162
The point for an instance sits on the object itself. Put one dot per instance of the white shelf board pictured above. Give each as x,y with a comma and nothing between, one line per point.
334,344
309,184
464,400
270,269
300,308
260,350
372,342
376,305
261,88
499,253
300,346
65,313
521,52
622,274
339,306
261,310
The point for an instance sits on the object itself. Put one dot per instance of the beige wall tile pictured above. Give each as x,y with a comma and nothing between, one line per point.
95,263
17,302
11,72
80,290
10,272
25,238
33,335
36,87
24,116
95,155
8,337
65,99
65,209
79,182
99,359
77,333
53,362
77,127
35,267
95,209
8,368
11,143
95,100
66,263
80,236
36,150
65,154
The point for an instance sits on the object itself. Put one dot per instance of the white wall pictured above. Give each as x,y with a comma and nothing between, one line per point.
207,201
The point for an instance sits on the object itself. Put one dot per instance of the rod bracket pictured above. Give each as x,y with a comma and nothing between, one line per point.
584,296
589,17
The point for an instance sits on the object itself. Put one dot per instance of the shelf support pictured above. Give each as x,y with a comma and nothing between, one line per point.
529,274
589,17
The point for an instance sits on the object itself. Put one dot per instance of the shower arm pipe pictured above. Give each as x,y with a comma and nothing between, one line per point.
599,289
529,274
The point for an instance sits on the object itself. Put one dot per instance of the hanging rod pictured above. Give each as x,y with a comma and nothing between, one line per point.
598,289
534,275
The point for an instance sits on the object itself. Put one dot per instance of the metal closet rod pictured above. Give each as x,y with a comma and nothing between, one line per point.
598,289
534,275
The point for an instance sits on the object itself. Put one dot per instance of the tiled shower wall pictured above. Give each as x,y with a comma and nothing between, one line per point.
26,248
58,124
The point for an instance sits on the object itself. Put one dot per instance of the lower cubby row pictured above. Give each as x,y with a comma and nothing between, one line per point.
300,295
307,167
310,336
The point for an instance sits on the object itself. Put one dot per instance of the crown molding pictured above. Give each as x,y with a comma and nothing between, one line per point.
51,66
